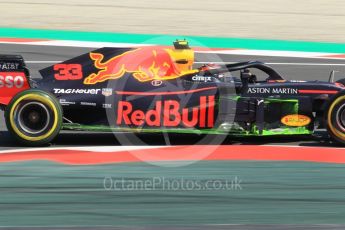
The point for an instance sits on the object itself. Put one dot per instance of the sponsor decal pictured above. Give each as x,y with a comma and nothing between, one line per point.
201,78
65,102
107,92
68,72
169,113
296,120
9,66
156,83
107,106
262,90
259,90
284,91
88,103
150,64
77,91
11,80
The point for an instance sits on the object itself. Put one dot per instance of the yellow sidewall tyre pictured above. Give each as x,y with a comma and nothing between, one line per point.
34,117
335,118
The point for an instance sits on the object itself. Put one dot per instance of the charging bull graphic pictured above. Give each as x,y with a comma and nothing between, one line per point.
146,64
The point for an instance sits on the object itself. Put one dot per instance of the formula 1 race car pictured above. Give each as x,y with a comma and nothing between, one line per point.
155,89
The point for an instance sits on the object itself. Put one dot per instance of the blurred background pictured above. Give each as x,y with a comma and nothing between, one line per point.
49,194
310,20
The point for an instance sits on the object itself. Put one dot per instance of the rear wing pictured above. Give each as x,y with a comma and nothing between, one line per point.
14,77
11,63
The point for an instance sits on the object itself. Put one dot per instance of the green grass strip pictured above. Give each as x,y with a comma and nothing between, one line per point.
211,42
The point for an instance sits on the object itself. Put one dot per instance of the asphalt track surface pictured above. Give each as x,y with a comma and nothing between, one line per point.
39,57
54,196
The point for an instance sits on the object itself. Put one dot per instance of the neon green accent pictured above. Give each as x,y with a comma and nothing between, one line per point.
280,100
98,128
232,132
235,98
282,131
291,106
211,42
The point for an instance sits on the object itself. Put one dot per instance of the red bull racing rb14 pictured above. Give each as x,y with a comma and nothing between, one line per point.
156,89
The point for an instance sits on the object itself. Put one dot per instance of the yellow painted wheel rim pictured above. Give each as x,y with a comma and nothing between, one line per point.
41,98
333,129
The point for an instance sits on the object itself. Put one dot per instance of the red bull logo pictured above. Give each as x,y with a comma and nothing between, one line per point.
169,113
146,64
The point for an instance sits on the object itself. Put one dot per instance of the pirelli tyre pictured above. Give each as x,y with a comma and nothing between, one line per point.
34,117
335,117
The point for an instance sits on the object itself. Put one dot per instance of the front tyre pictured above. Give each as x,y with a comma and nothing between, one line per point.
34,117
335,118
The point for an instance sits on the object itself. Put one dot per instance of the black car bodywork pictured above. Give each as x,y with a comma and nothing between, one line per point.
155,89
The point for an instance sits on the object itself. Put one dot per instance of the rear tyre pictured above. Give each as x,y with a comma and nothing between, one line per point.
335,117
34,117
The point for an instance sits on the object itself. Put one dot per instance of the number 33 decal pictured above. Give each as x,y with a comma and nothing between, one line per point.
68,72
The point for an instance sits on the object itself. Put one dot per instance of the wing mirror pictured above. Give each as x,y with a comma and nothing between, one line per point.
332,75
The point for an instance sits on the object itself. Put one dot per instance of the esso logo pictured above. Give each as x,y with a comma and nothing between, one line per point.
11,81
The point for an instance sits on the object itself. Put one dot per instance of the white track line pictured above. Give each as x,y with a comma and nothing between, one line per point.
268,63
87,149
41,62
80,44
113,149
271,53
282,63
276,53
